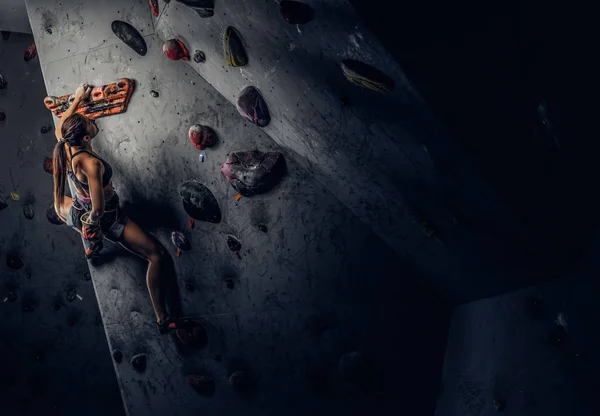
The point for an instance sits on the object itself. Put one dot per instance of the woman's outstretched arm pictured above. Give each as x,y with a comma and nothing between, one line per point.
80,94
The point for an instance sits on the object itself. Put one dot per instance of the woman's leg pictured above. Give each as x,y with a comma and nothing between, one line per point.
136,240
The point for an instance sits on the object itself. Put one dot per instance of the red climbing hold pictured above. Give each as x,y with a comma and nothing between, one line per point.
154,7
175,50
201,136
30,52
48,165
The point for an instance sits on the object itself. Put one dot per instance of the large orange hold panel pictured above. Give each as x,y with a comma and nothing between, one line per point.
103,101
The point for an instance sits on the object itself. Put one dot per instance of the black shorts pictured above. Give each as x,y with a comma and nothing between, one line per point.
112,222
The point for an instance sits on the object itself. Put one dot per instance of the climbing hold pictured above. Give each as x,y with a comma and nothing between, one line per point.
204,8
117,355
46,128
262,228
175,50
5,35
28,211
3,203
367,76
204,385
235,54
48,30
154,7
3,82
71,294
252,106
52,216
296,13
48,165
138,362
201,136
238,379
189,286
234,245
14,262
14,196
154,94
12,297
190,332
87,276
191,223
180,241
199,57
229,283
253,172
352,366
2,115
130,36
199,202
499,405
30,52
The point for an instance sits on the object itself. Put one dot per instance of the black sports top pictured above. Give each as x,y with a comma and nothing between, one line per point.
108,172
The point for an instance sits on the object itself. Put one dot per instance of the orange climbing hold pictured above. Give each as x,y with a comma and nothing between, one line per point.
238,197
104,101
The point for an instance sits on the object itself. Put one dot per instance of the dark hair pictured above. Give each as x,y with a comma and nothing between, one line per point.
73,130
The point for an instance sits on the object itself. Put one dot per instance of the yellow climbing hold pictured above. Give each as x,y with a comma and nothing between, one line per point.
14,196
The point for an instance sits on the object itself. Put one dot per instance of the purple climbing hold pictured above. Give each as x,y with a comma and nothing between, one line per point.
199,202
180,241
253,172
295,12
252,106
201,136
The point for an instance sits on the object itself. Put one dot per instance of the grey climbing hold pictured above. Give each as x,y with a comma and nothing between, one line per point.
229,283
130,36
199,202
14,262
367,76
154,94
138,362
87,276
235,54
262,228
3,82
180,241
295,12
117,355
204,8
48,30
28,211
253,107
199,57
352,366
71,294
253,172
238,379
46,128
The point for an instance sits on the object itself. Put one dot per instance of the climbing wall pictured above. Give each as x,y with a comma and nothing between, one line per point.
529,352
53,351
302,317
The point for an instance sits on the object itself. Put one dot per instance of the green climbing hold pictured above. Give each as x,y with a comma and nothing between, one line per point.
367,76
235,54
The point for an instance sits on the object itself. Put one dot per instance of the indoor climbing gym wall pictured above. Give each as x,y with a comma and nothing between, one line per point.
278,278
54,358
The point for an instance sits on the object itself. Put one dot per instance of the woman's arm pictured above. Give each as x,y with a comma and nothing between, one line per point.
80,94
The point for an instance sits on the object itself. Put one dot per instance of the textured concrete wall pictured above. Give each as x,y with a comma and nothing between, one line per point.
385,157
13,16
505,347
54,357
317,284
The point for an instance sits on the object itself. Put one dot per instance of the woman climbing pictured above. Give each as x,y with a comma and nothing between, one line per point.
94,211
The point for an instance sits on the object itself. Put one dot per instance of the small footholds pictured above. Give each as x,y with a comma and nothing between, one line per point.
48,30
199,57
28,211
46,128
154,93
229,283
117,355
87,276
262,228
138,362
71,294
